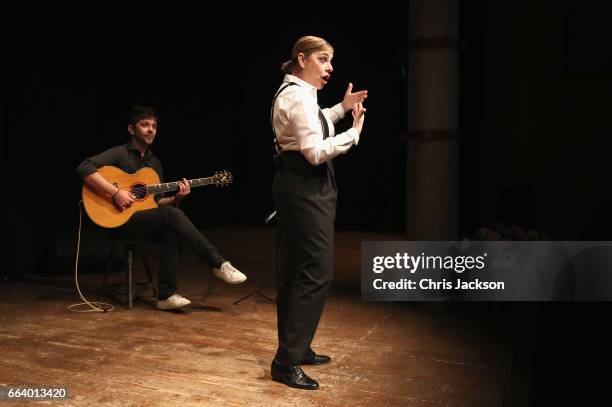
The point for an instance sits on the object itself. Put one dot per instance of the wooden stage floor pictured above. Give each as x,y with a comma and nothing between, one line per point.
215,353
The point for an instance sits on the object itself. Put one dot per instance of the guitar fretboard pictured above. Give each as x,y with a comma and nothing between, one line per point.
174,186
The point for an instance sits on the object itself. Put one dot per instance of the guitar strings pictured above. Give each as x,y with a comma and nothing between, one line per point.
146,188
200,181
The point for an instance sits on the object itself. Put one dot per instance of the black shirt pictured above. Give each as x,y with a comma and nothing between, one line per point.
125,157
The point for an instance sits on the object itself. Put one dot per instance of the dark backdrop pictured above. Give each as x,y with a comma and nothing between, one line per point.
211,77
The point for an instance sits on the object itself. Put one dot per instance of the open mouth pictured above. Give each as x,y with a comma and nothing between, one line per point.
325,79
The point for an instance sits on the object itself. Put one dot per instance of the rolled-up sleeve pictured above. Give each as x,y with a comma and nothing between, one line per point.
112,156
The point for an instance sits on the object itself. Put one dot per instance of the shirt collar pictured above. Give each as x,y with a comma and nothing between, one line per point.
131,146
302,83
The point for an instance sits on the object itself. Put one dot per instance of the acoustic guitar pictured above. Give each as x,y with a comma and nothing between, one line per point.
143,184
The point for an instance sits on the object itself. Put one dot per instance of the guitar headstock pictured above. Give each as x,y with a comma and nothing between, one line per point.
222,179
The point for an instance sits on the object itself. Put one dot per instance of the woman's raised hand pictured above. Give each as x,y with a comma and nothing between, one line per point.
351,98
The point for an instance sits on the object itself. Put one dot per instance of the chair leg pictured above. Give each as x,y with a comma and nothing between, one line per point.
109,267
145,262
130,261
131,249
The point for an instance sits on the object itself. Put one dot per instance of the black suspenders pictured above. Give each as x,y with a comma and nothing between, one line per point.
276,146
321,119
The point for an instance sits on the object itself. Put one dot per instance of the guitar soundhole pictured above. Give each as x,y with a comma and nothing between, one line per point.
139,191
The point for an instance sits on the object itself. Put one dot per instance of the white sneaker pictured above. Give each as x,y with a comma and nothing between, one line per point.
173,302
229,273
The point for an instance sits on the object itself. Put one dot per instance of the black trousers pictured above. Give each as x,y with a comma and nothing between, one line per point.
169,227
305,201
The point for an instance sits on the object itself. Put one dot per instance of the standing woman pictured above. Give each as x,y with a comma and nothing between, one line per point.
304,190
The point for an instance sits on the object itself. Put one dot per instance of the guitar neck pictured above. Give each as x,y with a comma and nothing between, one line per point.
174,186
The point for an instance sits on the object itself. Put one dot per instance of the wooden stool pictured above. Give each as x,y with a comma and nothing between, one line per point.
131,247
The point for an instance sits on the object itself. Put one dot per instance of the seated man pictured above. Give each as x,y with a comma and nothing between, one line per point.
165,224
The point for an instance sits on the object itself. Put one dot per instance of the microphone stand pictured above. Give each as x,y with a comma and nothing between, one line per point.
260,289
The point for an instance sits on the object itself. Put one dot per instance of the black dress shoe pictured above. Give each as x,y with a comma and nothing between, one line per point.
314,359
292,376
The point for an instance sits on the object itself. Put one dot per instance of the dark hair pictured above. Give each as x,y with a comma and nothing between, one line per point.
138,113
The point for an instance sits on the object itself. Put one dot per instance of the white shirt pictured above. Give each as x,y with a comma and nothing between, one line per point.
298,128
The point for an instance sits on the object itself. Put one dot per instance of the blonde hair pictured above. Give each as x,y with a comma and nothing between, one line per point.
305,45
